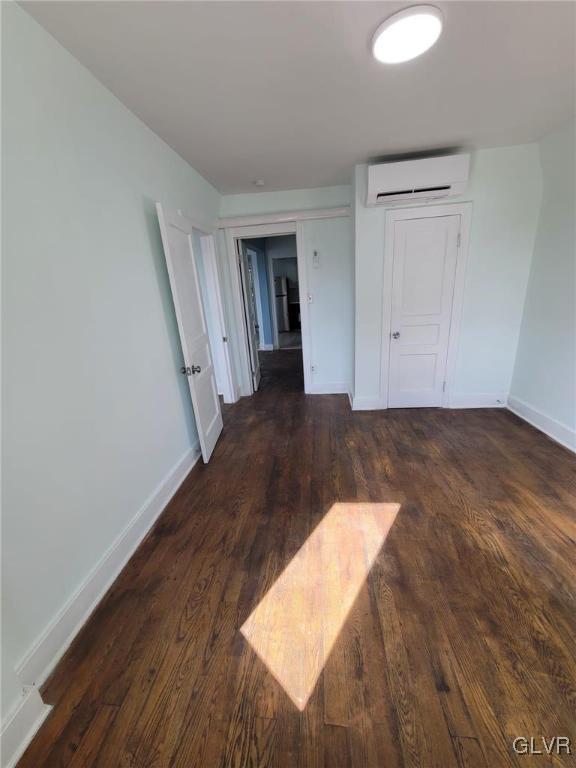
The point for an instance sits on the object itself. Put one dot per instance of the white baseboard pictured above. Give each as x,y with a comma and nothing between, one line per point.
478,400
266,347
350,398
482,400
558,431
40,660
367,404
20,726
333,388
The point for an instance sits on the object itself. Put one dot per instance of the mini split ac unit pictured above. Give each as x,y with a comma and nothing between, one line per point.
417,179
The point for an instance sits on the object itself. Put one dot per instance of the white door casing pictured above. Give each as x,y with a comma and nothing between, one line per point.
176,231
423,277
249,312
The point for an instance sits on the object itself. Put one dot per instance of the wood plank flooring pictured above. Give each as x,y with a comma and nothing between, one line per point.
460,638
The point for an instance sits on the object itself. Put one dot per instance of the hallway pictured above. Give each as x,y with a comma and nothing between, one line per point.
458,635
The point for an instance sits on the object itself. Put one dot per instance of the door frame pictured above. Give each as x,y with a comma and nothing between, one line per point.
234,233
464,210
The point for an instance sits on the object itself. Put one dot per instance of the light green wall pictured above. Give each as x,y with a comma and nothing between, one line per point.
288,200
505,189
95,411
545,370
331,313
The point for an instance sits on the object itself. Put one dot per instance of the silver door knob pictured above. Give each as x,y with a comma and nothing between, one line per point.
396,335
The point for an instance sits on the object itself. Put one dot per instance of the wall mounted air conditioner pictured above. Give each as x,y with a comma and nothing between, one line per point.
417,179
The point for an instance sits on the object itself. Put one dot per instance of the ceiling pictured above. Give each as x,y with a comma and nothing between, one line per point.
288,92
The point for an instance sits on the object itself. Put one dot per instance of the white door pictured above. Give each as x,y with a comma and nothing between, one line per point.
425,255
249,311
176,233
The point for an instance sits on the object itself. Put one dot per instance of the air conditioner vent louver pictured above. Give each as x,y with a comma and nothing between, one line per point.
417,179
413,191
396,192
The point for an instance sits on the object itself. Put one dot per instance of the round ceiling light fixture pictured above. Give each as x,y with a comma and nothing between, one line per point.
407,34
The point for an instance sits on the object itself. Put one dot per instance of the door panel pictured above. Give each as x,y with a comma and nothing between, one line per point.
420,334
425,254
177,233
416,372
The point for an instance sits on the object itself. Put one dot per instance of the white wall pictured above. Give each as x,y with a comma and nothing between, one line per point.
331,313
505,189
96,414
544,382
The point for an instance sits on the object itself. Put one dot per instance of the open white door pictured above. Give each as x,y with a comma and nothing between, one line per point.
249,311
176,231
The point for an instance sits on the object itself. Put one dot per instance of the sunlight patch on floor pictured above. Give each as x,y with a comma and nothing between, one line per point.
295,625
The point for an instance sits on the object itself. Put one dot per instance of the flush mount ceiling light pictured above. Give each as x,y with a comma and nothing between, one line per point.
407,34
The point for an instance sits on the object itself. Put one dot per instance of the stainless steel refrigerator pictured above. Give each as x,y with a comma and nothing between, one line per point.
281,299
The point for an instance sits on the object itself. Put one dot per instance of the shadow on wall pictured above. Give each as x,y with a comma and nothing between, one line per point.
153,229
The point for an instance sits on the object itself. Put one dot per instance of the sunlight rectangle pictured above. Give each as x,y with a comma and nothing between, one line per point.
295,625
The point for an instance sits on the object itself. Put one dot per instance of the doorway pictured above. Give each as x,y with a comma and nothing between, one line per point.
270,287
285,288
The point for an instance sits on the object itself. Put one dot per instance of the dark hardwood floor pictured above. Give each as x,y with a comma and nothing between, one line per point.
461,638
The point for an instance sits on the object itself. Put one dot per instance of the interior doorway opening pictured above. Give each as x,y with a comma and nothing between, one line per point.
272,310
287,304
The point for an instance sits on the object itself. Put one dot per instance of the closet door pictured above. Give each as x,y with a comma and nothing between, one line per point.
425,255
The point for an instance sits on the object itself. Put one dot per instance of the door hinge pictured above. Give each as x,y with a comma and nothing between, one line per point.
458,240
224,338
